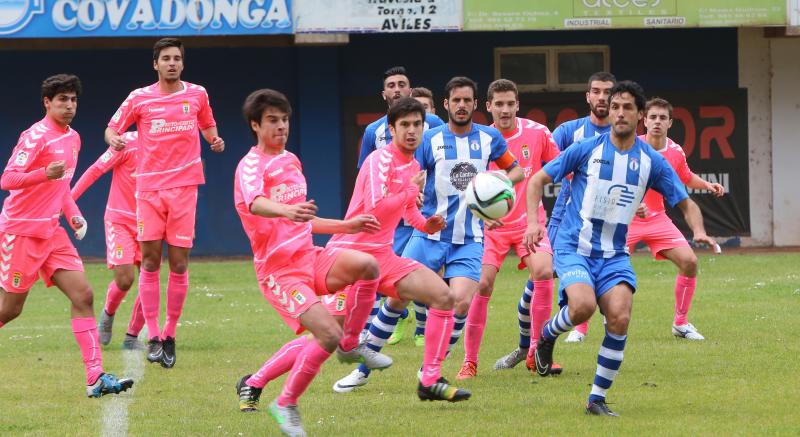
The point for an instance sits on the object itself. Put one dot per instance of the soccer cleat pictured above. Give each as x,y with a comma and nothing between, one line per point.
363,354
351,382
400,331
288,419
155,351
248,395
511,360
419,340
132,343
555,368
687,331
104,327
441,390
599,408
468,370
574,336
108,384
168,357
543,356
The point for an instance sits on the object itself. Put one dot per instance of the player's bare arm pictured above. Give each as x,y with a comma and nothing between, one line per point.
534,233
299,212
694,218
212,136
114,139
360,223
699,183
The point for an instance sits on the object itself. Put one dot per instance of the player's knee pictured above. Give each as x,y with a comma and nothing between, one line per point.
485,288
151,263
178,267
688,264
83,298
124,281
462,306
329,337
582,310
618,323
443,299
9,312
370,268
542,273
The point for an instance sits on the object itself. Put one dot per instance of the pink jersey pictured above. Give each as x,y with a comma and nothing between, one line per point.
673,153
278,178
35,203
169,145
121,206
531,143
383,189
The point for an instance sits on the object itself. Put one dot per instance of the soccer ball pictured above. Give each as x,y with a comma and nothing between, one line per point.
490,195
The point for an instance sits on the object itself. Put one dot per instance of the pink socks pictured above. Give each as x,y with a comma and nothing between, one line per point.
137,318
114,297
279,363
358,305
684,291
150,294
541,305
305,368
438,330
583,328
476,323
177,288
85,330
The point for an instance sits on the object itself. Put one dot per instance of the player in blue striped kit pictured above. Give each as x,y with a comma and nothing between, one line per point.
611,173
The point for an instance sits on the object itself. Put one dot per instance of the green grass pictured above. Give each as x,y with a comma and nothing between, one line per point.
743,380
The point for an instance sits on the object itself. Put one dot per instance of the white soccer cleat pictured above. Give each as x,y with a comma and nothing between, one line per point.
104,328
351,382
575,337
288,419
363,354
687,331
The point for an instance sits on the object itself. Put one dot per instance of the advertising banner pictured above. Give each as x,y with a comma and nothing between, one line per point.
357,16
631,14
132,18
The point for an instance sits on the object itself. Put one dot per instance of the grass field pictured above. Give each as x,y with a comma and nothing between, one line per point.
743,380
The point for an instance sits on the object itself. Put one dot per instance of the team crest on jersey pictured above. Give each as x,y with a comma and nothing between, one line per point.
526,153
341,299
298,296
17,279
118,252
140,228
633,164
22,158
185,105
474,145
461,174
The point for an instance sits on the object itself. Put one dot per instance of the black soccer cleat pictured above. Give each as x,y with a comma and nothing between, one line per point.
248,395
441,390
544,356
168,357
599,408
155,350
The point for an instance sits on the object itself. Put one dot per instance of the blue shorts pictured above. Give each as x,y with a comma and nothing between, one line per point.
552,230
458,260
601,273
401,236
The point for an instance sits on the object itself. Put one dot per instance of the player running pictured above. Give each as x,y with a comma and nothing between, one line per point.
122,251
532,144
32,244
167,115
270,197
611,173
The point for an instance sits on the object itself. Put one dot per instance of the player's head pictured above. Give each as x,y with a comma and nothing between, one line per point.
424,96
626,106
168,59
267,114
502,100
395,84
599,86
60,97
657,117
406,120
460,100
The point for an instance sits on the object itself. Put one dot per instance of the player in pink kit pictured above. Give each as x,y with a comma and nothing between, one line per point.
32,244
270,197
122,250
167,115
531,143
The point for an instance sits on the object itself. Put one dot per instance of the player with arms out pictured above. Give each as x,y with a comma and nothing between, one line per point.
270,197
532,144
611,174
167,115
123,255
32,244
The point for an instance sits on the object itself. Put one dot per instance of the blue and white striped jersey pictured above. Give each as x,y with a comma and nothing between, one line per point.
377,135
565,135
452,161
607,187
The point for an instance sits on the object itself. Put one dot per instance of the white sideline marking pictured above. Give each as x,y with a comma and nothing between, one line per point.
115,408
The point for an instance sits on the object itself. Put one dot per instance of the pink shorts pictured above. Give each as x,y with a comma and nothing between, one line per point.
121,245
292,288
167,215
657,232
498,242
23,259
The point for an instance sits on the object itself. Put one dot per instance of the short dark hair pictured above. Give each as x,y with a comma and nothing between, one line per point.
258,101
501,86
602,76
393,71
632,88
458,82
164,43
61,83
404,106
421,91
659,102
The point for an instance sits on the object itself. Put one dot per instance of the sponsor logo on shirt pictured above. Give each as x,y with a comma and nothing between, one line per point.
159,109
600,161
621,195
444,147
575,274
22,158
461,174
161,126
275,173
284,193
183,237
